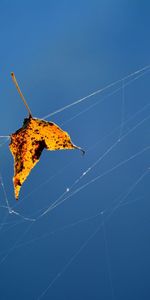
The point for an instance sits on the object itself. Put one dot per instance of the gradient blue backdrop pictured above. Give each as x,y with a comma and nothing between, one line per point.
61,51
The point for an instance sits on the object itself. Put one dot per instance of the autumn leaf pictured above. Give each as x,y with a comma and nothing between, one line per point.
30,140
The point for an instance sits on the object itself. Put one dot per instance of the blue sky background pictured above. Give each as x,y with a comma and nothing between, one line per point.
60,52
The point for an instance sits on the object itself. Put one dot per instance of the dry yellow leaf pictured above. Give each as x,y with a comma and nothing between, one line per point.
28,142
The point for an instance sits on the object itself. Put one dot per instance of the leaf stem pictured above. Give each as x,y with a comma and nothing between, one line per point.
20,93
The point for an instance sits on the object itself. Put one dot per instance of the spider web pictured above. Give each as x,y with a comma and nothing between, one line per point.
83,194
